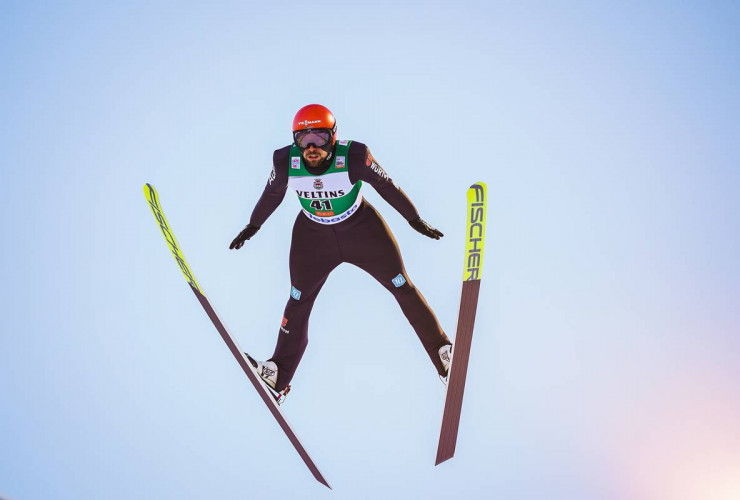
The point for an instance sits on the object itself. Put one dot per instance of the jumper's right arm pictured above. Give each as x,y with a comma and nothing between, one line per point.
271,198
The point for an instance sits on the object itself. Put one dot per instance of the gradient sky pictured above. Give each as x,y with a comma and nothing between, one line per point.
606,354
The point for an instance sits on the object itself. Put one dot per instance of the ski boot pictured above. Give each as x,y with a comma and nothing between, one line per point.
267,370
445,355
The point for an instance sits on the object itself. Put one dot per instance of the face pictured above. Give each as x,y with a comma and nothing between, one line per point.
314,156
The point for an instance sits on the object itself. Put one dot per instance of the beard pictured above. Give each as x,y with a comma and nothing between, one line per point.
322,157
314,163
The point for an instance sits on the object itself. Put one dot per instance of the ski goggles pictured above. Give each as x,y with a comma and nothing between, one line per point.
319,137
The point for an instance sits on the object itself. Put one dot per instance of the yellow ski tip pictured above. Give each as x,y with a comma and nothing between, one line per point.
149,191
153,199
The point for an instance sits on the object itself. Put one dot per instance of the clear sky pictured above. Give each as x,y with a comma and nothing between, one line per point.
606,354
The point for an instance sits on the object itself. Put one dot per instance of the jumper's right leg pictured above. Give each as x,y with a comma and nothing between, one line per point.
314,253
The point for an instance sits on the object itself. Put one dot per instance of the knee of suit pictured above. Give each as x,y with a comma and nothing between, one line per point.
299,300
303,295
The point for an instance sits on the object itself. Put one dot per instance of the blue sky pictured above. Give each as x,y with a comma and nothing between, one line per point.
606,349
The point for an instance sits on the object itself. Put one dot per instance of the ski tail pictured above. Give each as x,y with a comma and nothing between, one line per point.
472,272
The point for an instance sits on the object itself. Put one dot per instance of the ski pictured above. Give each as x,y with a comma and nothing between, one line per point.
151,195
474,242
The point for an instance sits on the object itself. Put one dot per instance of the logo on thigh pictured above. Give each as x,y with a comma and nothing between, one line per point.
295,293
399,281
283,324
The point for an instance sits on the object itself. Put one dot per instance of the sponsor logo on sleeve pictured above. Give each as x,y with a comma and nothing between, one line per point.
370,162
378,170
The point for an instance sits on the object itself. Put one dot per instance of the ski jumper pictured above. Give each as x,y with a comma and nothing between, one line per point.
337,225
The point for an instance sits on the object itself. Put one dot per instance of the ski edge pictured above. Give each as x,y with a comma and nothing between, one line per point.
153,199
477,198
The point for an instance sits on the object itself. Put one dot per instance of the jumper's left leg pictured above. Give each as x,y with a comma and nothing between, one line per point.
373,248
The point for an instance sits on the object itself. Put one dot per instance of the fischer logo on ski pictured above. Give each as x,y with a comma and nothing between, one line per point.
476,231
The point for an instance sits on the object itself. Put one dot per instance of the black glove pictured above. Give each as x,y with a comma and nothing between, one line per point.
425,228
246,233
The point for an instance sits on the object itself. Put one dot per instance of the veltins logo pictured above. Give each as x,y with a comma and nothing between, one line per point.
399,281
318,184
295,293
295,162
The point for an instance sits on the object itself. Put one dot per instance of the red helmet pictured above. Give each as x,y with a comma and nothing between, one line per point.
315,116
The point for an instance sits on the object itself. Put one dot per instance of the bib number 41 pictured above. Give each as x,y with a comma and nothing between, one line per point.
321,205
